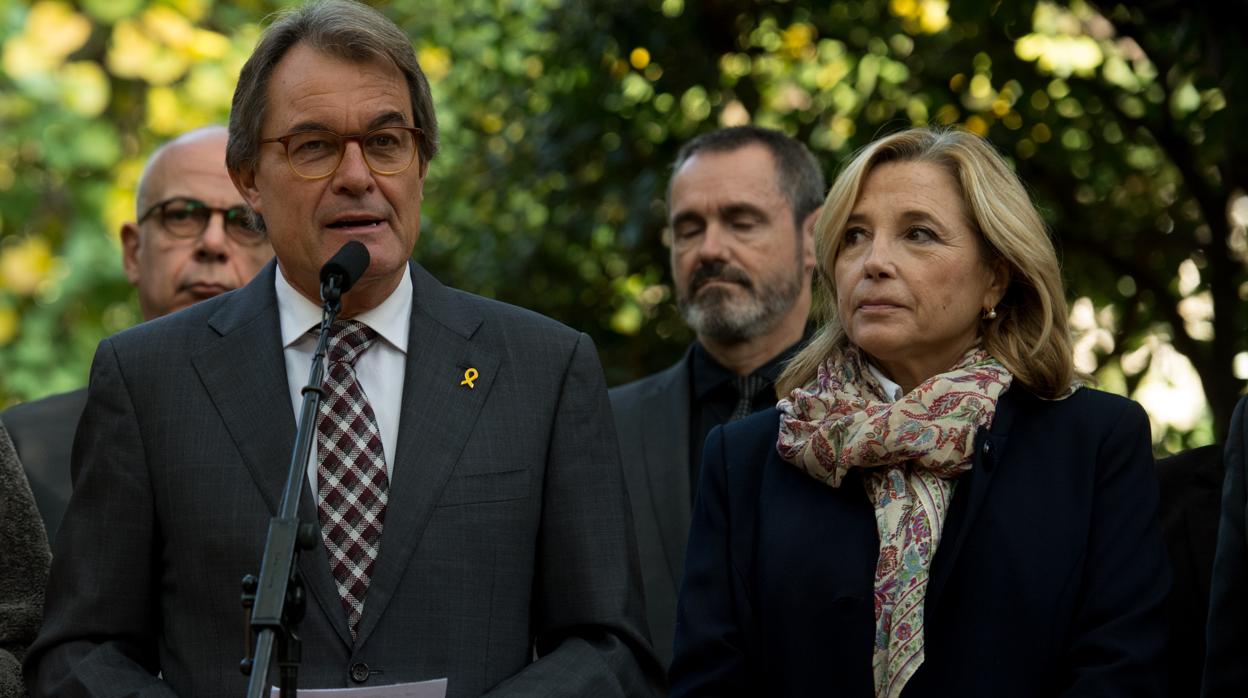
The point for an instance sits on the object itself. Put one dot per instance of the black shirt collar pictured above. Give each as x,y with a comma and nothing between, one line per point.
709,376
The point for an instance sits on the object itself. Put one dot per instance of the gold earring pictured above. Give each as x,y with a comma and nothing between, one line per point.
990,314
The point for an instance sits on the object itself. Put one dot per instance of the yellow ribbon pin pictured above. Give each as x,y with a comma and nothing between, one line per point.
469,376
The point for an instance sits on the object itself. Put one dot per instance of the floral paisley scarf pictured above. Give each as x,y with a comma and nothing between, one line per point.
911,450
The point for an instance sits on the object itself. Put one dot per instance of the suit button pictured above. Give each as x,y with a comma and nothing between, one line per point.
359,672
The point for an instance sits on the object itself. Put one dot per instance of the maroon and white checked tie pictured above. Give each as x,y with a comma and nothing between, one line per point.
351,470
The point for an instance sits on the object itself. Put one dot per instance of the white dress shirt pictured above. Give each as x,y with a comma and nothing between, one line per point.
380,370
892,390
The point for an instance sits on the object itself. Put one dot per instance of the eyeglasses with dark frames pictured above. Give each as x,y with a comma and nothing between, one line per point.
186,218
389,150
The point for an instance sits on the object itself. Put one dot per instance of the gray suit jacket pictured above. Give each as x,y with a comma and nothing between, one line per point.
24,561
507,535
43,433
652,421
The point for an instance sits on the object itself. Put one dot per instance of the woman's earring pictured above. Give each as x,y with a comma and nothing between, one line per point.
989,314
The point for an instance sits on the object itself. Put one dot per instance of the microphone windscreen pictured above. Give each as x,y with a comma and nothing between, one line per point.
348,263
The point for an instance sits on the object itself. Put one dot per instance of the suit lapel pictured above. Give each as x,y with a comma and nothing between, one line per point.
437,417
666,446
972,490
244,374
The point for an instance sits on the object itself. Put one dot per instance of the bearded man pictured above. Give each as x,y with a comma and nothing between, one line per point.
742,204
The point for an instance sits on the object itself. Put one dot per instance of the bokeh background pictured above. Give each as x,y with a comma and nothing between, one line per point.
560,119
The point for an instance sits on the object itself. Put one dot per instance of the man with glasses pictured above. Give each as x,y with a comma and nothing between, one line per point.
465,479
191,240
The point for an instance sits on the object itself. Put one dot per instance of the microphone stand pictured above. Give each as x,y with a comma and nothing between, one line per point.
277,599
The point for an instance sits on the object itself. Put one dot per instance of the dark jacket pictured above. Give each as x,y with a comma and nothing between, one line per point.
1226,666
652,421
1050,578
43,434
507,560
1191,491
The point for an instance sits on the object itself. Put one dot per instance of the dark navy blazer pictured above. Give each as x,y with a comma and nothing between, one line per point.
1050,578
1226,666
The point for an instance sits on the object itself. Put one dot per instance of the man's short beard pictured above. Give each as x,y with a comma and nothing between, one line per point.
717,313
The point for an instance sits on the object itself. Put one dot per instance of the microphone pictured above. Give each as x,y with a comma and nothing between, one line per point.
347,265
275,601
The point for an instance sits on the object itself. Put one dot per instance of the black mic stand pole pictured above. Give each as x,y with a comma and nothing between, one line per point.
277,599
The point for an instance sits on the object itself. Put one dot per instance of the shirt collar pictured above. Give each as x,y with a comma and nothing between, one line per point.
390,319
709,375
892,390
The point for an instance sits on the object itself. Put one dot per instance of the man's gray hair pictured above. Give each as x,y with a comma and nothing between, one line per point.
339,28
799,176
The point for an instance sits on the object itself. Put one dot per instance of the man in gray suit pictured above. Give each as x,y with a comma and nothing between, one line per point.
466,475
742,204
190,240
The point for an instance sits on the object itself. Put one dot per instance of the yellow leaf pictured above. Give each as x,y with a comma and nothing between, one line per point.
163,112
533,67
138,51
129,51
208,87
171,111
906,9
798,39
169,27
8,325
639,58
119,203
929,16
436,62
977,125
627,319
84,88
946,114
194,10
25,265
25,58
167,67
935,16
208,45
491,123
57,28
828,75
981,87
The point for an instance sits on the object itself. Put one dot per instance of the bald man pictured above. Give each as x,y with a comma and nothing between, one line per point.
191,239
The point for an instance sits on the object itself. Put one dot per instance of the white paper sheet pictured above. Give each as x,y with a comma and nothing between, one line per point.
435,688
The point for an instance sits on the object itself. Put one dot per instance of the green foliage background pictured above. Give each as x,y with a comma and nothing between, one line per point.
560,117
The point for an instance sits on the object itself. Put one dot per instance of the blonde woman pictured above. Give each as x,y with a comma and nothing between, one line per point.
936,507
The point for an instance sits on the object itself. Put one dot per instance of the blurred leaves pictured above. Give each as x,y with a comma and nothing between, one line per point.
560,119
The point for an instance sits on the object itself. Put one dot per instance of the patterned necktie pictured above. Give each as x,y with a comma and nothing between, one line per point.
351,472
747,388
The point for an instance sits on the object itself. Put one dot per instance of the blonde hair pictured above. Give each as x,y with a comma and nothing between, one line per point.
1030,335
